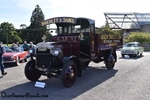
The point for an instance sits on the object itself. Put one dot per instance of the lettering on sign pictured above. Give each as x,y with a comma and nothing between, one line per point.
109,36
104,37
107,41
68,20
112,44
59,20
69,38
111,41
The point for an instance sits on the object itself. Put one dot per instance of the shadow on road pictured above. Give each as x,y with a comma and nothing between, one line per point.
10,65
91,77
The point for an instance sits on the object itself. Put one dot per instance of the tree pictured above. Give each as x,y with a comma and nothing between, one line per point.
23,26
106,30
7,30
37,17
140,37
14,39
36,30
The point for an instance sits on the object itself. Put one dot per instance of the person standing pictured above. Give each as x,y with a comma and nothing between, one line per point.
25,46
17,43
1,59
32,46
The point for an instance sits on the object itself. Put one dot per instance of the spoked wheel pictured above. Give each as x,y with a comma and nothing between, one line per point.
69,74
17,61
31,72
110,63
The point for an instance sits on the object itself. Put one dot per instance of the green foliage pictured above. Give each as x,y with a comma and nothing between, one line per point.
8,30
106,30
7,44
48,36
7,26
35,31
140,37
14,39
37,17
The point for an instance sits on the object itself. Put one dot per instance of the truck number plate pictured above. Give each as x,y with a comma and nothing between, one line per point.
42,49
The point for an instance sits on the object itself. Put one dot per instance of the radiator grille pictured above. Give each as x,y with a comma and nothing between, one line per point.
43,58
6,58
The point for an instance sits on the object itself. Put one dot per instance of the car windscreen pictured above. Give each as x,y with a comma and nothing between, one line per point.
15,49
130,45
7,49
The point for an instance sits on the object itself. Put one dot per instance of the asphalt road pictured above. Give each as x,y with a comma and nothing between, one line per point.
129,80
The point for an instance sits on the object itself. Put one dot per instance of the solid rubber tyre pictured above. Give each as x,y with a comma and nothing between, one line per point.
69,74
110,63
31,72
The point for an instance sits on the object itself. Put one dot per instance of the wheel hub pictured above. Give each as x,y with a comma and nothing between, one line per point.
69,72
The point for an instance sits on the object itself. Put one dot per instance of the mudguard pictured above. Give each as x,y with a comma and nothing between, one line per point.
76,61
109,53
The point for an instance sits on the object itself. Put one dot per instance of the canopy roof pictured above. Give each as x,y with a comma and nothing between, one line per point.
65,21
127,20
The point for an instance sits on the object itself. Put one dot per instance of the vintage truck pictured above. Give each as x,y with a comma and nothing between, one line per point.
71,50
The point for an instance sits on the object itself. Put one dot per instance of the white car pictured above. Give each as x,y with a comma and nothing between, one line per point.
132,49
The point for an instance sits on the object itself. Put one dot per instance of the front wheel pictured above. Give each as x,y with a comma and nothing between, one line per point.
141,54
31,72
69,74
136,55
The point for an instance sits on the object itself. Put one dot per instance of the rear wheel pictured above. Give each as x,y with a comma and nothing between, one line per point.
110,63
31,72
69,74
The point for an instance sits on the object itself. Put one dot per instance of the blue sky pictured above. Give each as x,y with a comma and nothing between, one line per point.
19,12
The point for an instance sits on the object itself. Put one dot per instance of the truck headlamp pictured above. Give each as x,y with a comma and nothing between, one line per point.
56,52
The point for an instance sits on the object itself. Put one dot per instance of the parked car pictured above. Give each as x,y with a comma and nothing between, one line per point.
132,49
14,55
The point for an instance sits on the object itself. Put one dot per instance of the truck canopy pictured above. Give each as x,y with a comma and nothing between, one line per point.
67,24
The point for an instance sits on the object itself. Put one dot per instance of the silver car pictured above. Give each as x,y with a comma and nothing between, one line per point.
132,49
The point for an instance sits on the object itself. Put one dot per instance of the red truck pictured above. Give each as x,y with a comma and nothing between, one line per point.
71,50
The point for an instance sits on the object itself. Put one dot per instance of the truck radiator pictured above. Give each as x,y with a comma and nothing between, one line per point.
43,58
